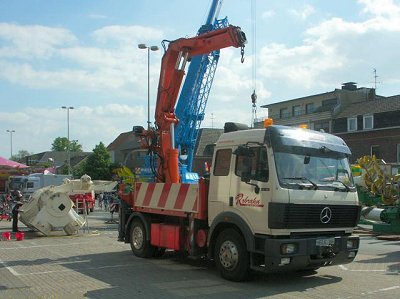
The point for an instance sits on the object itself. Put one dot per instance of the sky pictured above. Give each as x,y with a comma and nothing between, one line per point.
84,54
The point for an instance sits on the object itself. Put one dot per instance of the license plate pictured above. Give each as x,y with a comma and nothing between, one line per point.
325,242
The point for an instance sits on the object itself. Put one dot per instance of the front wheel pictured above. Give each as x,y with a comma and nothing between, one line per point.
140,245
231,256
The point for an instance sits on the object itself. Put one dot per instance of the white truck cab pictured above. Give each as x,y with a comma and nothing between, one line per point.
291,194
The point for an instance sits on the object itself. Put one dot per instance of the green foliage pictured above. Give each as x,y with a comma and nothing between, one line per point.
75,146
98,165
20,156
78,170
61,144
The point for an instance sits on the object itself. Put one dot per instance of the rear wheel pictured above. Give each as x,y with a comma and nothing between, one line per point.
140,245
231,256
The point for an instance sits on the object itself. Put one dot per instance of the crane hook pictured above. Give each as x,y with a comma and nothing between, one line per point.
242,53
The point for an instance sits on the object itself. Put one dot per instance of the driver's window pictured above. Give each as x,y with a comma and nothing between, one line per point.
256,166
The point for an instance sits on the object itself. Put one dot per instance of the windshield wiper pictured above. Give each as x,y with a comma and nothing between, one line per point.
303,179
345,186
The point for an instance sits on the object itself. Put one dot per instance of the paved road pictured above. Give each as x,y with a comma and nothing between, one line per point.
95,265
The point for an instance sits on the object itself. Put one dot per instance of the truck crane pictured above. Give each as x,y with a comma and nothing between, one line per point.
161,140
273,201
190,108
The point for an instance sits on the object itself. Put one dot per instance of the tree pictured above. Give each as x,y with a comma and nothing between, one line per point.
75,146
61,144
20,156
98,164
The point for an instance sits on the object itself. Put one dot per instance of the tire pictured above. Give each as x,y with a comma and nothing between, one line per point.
231,256
140,245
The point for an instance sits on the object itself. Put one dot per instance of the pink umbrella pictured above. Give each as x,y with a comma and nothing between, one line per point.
12,164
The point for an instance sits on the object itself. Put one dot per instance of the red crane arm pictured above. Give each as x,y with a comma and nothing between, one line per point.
173,64
171,76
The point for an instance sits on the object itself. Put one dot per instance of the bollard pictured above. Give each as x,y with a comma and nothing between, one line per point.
19,236
6,236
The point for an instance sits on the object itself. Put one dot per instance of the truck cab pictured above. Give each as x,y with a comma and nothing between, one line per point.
289,192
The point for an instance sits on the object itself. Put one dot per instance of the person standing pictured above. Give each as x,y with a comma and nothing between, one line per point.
16,209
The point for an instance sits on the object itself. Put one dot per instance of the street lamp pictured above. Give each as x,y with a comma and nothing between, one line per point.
11,133
68,152
152,48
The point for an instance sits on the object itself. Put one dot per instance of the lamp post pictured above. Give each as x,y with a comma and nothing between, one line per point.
11,133
152,48
68,146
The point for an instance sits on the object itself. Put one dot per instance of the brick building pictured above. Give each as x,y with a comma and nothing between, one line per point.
369,123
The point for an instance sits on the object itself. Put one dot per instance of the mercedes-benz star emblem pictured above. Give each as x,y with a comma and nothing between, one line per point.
326,215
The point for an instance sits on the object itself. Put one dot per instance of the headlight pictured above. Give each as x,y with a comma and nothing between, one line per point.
352,244
289,248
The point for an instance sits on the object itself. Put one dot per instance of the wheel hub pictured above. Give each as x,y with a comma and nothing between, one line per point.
137,238
228,255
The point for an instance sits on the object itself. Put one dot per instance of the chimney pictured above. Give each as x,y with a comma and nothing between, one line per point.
349,86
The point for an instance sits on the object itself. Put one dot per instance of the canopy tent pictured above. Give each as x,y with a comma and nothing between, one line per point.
8,163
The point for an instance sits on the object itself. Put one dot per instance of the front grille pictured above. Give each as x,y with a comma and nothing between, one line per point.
299,216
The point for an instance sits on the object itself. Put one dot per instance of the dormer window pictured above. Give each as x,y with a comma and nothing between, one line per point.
352,124
368,122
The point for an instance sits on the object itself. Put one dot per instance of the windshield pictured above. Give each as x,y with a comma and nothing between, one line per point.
299,171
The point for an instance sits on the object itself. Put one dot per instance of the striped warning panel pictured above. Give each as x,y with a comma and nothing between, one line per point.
176,197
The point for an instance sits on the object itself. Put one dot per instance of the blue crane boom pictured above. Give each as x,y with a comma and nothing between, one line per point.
192,102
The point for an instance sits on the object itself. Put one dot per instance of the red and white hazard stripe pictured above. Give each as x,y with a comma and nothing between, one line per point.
174,197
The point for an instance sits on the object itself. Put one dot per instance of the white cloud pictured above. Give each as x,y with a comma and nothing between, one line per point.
382,8
33,41
97,69
88,125
303,13
336,51
127,34
268,14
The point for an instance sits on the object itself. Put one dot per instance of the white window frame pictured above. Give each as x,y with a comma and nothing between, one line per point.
372,121
348,123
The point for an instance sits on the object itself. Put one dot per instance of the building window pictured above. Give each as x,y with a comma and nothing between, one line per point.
322,125
222,162
284,113
368,122
297,110
310,108
375,151
352,124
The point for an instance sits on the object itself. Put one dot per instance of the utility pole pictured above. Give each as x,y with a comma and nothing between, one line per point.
152,48
68,147
11,134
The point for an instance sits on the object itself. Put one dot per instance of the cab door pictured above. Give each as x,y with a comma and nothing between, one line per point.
251,187
220,182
